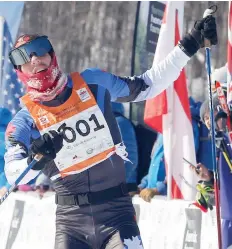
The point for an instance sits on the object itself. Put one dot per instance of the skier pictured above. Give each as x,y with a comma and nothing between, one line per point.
68,119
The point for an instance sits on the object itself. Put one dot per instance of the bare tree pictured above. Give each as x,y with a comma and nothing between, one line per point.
100,34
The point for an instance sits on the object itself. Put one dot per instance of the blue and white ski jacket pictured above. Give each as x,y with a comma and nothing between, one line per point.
105,87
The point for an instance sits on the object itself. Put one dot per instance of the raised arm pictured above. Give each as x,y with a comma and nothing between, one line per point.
160,76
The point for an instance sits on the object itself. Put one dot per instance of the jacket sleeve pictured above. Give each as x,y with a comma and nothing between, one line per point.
159,77
138,88
144,182
17,137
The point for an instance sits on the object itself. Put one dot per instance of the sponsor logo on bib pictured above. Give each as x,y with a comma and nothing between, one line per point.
83,94
43,120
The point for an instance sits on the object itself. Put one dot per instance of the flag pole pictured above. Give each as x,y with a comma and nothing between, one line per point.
168,129
169,152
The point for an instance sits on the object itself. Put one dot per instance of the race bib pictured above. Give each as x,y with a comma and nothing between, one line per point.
87,138
87,141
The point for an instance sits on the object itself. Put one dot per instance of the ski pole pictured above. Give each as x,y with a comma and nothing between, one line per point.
36,159
196,167
227,160
210,11
226,154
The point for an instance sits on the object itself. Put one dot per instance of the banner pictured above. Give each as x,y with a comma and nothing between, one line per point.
192,234
15,223
29,222
147,27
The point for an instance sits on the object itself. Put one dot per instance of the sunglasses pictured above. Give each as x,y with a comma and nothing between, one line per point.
22,55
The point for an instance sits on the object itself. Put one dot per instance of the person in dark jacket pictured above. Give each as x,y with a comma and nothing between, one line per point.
154,183
205,197
127,131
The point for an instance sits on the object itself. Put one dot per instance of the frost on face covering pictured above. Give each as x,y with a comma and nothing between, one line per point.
45,85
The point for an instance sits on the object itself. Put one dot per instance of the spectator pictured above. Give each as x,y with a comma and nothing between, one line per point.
155,182
25,187
129,138
204,152
43,184
145,140
204,198
201,135
5,117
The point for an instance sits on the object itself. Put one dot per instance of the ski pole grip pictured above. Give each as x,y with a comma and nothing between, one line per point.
211,10
38,157
207,43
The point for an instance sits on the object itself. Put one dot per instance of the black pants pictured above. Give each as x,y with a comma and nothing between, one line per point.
106,226
126,237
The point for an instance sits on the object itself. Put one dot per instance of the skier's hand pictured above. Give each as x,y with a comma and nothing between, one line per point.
206,28
48,145
148,193
202,172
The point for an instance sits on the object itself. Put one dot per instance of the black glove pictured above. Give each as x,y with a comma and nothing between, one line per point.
203,29
47,145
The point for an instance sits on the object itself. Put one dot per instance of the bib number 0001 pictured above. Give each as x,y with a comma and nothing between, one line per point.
64,128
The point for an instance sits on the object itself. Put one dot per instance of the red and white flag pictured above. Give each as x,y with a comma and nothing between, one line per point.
169,113
229,57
